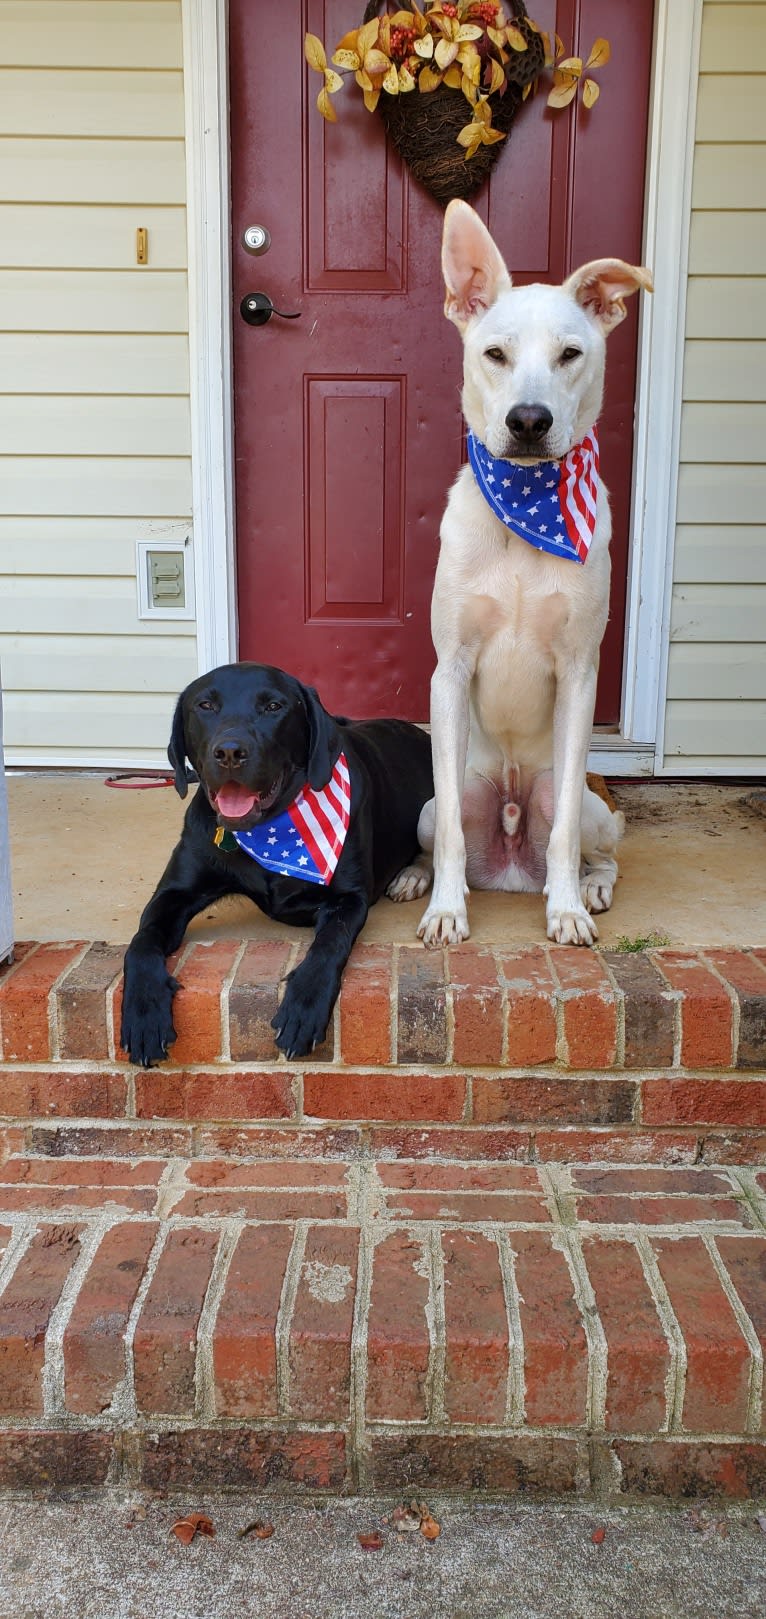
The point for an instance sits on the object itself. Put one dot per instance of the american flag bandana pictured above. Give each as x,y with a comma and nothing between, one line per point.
307,839
551,505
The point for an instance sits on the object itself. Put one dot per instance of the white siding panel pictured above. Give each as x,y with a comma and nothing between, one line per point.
718,613
113,723
726,307
734,245
91,238
84,425
699,670
95,487
715,553
719,729
732,107
50,102
166,664
725,370
715,494
709,432
93,363
90,33
140,300
57,170
729,177
733,39
86,606
85,546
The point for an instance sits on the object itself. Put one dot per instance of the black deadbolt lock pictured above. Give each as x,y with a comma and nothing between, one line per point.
256,308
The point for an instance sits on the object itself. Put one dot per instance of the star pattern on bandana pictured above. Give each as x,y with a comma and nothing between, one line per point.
551,505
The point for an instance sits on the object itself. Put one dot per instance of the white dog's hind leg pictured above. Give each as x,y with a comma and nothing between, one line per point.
601,831
413,880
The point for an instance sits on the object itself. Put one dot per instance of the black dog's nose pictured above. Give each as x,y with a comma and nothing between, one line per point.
529,423
231,755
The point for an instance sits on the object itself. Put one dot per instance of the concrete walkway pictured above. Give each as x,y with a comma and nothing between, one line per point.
100,1559
86,858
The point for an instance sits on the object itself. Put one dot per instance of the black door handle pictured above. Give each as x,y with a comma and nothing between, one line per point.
256,308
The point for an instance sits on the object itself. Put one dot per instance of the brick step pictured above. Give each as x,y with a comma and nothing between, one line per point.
477,1052
381,1325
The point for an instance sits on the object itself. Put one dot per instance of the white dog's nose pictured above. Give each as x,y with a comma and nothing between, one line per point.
529,423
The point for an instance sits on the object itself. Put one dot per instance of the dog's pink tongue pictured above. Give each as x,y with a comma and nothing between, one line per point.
234,801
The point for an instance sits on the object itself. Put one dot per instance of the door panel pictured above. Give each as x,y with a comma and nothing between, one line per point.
348,425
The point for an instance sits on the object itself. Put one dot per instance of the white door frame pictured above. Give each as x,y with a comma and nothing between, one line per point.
660,361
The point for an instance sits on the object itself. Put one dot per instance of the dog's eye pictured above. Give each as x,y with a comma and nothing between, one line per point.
207,704
495,354
570,354
272,708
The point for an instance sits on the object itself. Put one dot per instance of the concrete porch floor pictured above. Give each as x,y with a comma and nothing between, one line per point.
85,859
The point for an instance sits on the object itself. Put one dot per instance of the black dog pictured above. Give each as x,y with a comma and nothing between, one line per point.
256,737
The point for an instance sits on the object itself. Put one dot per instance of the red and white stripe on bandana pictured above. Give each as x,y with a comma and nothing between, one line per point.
578,491
305,840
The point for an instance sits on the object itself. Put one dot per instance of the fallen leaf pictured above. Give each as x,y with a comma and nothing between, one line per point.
261,1530
196,1523
406,1520
598,1536
429,1528
372,1542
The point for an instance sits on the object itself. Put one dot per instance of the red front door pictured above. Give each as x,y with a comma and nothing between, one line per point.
347,420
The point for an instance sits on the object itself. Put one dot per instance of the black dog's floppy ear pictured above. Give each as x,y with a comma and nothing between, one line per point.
324,742
177,749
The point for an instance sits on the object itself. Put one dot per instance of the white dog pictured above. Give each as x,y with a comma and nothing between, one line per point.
521,596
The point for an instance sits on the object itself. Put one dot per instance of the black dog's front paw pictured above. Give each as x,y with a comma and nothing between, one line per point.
301,1022
147,1029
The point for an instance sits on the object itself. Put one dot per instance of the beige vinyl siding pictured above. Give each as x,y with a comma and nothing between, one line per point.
715,719
94,375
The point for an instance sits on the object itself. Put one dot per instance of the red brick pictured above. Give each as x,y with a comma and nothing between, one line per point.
87,1140
264,1205
24,995
11,1141
365,1006
717,1356
165,1343
508,1146
476,1329
530,990
621,1146
678,1468
648,1009
26,1306
321,1327
197,1006
54,1093
733,1147
215,1458
644,1181
80,1003
283,1173
466,1206
223,1094
60,1198
477,1001
6,1232
590,1013
552,1099
523,1464
428,1177
706,1033
422,1015
316,1141
638,1357
745,1261
747,976
399,1096
555,1347
94,1351
244,1337
398,1343
254,998
686,1210
81,1172
704,1101
35,1459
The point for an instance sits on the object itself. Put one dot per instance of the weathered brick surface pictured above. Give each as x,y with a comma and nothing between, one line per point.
745,1262
674,1468
214,1458
555,1348
422,1017
553,1099
165,1341
717,1357
80,1003
689,1100
24,997
197,1006
244,1337
314,1141
590,1010
365,1006
34,1459
49,1093
476,1362
638,1355
319,1351
530,990
254,998
520,1464
648,1010
747,977
392,1095
94,1352
26,1307
215,1094
706,1010
477,1004
88,1140
398,1342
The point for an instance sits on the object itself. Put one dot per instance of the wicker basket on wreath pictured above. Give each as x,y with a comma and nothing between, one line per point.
424,128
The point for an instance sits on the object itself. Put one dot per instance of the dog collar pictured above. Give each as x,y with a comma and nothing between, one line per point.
307,839
551,505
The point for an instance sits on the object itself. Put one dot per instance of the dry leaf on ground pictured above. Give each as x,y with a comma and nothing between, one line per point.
406,1520
261,1530
598,1536
429,1528
195,1523
372,1542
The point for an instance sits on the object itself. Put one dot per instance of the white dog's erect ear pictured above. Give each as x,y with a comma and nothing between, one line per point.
601,287
474,271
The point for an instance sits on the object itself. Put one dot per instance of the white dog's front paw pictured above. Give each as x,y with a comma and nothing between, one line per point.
411,882
596,892
573,926
439,927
